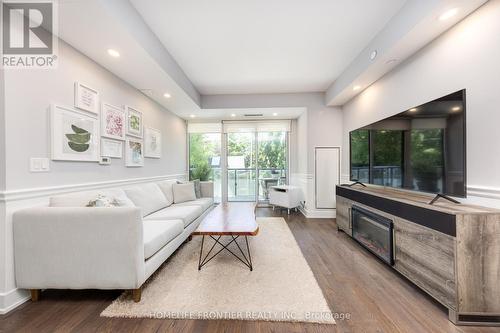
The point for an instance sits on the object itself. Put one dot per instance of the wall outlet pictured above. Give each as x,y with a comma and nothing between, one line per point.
39,164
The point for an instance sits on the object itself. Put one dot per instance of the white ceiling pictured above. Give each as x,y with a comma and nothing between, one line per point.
263,46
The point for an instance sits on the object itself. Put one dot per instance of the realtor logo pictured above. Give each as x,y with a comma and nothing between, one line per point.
28,34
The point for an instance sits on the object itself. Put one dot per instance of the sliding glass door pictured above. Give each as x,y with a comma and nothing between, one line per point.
271,162
241,173
255,162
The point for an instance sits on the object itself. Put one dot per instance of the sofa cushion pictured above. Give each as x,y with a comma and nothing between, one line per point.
82,199
166,187
159,233
185,213
148,197
204,203
183,192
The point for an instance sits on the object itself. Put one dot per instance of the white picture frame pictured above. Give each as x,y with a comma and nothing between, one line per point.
74,135
134,152
135,122
152,142
111,148
86,98
113,122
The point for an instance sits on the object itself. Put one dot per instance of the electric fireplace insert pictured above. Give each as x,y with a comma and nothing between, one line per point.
374,232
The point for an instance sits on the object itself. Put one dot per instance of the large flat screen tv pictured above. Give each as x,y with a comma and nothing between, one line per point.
422,148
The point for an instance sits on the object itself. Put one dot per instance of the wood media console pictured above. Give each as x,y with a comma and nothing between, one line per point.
451,251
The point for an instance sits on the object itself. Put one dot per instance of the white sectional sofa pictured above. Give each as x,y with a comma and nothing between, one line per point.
67,245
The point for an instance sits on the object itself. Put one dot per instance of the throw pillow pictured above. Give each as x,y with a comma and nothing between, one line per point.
183,192
166,187
103,201
197,186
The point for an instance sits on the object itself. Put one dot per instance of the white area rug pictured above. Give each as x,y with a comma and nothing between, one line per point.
281,287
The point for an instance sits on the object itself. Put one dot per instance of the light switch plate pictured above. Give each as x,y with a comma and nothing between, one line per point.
39,164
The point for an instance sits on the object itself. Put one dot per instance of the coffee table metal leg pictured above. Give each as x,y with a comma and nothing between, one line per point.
206,259
249,255
201,252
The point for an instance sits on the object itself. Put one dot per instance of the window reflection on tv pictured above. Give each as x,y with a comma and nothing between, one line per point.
422,148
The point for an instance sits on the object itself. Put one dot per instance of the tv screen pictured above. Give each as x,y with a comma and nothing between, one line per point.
422,148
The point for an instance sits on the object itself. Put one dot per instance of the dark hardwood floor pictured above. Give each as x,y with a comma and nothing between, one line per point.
376,298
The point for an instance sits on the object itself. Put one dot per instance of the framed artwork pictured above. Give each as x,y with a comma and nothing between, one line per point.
111,148
152,142
134,122
74,135
134,153
112,122
86,98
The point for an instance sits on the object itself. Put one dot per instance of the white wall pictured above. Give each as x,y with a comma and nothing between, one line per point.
2,180
2,131
467,56
28,94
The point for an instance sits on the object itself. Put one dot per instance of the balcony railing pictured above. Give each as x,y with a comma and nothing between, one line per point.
381,175
242,182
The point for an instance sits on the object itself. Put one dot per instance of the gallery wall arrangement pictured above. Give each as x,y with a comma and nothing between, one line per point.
93,130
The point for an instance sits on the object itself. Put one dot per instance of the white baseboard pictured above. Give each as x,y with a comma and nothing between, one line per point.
12,299
318,213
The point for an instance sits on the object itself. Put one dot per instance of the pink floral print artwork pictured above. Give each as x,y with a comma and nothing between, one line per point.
114,123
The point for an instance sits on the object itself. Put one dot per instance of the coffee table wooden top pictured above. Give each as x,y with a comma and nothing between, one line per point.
232,218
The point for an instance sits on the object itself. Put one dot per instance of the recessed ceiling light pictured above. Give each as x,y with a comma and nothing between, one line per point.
233,115
373,55
448,14
456,108
413,110
167,95
113,53
192,116
356,88
275,114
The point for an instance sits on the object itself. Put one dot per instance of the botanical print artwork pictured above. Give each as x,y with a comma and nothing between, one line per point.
152,143
134,153
135,125
74,135
112,122
135,122
79,140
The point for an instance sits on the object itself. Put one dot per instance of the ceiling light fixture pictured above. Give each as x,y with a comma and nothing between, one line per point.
373,55
167,95
448,14
456,108
413,110
275,114
356,88
233,115
192,116
113,53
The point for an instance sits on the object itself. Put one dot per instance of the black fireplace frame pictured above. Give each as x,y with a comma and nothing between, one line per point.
382,220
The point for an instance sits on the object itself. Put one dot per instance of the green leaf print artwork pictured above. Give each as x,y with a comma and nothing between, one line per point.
78,141
135,122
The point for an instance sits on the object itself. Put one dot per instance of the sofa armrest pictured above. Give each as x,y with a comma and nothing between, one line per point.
207,189
78,248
